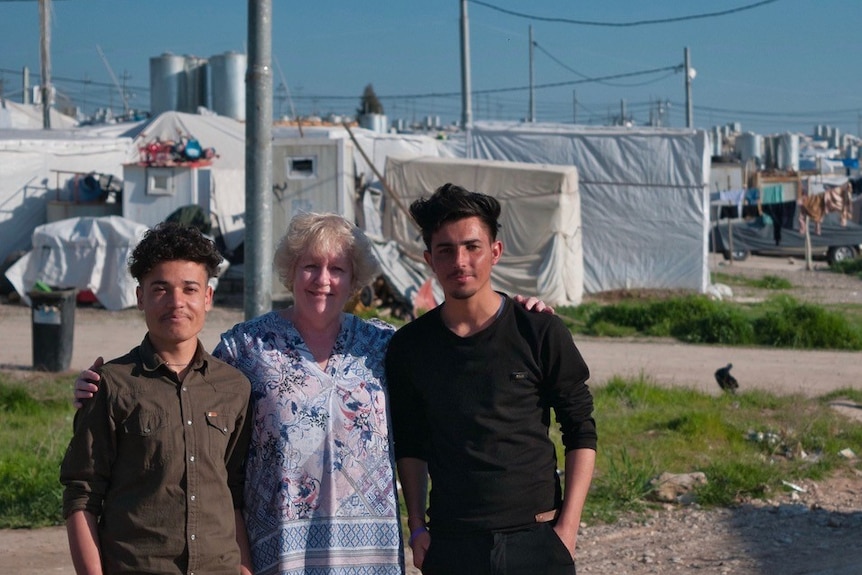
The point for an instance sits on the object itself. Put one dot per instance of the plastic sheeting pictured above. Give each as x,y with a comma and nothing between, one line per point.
540,223
83,253
28,159
644,197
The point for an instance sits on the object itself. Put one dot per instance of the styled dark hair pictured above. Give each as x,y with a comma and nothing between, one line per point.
451,203
170,241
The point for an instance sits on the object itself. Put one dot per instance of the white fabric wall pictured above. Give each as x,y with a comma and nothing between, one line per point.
644,197
27,182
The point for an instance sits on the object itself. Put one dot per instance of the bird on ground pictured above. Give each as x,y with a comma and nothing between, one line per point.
726,381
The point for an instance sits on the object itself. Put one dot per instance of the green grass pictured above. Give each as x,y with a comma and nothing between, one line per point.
768,282
37,424
849,267
745,444
780,321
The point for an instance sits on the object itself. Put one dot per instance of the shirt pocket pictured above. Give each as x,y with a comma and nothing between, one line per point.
220,426
146,438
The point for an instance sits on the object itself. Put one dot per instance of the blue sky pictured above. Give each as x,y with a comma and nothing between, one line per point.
786,65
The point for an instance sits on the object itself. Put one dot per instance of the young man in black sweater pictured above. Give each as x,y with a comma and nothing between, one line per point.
472,383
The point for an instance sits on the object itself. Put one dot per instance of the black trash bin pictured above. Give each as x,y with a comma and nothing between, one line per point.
53,315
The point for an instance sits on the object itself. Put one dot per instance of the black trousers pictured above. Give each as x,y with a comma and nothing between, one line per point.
533,551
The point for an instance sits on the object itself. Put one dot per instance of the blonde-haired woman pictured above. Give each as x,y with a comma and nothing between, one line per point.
320,491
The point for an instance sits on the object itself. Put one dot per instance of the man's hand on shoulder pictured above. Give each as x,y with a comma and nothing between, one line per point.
87,383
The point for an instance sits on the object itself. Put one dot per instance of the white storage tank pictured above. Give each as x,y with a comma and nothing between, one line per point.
167,74
227,84
194,93
788,152
749,146
835,140
374,122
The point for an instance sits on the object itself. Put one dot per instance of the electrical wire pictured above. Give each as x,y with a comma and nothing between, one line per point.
624,24
573,71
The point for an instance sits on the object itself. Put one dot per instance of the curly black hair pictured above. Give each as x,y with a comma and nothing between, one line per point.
170,241
451,203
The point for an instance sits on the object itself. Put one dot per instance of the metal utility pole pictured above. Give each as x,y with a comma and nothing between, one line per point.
532,115
574,106
689,76
45,45
466,90
25,85
257,292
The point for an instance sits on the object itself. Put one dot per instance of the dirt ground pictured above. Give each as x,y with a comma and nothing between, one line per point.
814,529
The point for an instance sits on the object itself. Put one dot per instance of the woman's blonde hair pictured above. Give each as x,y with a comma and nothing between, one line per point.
325,233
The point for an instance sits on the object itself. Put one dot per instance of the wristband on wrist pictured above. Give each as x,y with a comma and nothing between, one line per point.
415,533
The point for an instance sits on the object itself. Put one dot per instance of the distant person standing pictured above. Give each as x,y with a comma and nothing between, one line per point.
154,473
472,383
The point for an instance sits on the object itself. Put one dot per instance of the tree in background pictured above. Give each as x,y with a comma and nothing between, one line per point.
369,103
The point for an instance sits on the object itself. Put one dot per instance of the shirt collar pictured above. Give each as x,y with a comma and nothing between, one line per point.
152,361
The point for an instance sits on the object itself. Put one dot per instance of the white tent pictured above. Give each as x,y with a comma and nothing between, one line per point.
540,223
17,116
83,253
35,166
227,137
644,197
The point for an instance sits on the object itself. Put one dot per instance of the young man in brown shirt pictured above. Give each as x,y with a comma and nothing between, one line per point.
154,472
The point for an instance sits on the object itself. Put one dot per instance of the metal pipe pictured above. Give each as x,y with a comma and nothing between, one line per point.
466,90
257,293
45,45
689,113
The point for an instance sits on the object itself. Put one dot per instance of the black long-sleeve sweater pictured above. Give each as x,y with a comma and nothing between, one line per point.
477,409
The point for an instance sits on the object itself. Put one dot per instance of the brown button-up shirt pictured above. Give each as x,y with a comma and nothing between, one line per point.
161,463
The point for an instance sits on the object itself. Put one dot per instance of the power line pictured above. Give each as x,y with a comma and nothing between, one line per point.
35,75
676,68
624,24
781,114
573,71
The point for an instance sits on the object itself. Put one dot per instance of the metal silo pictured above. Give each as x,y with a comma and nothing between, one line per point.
227,93
375,122
749,147
194,88
167,75
788,152
835,139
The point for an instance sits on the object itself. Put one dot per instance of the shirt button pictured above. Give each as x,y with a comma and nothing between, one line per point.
192,458
193,537
193,497
224,429
185,388
189,422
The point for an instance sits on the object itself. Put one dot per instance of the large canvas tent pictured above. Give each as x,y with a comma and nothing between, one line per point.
540,224
644,197
33,162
